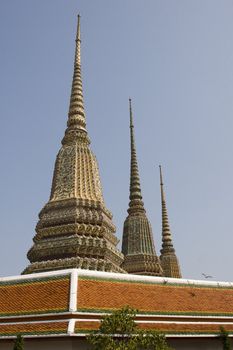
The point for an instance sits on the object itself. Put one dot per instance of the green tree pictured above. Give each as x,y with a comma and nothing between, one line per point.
118,331
224,337
18,344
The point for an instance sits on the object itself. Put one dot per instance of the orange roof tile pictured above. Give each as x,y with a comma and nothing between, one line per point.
34,296
33,328
167,305
102,294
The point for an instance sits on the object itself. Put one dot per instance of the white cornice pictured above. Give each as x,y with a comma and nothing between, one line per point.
120,276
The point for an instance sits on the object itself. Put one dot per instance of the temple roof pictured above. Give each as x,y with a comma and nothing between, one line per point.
72,303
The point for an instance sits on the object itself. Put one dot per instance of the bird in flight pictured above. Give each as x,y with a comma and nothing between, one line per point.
206,276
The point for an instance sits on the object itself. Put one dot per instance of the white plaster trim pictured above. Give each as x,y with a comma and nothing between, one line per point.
36,336
79,335
184,322
120,276
71,326
73,291
80,313
154,279
170,335
73,320
37,275
87,320
156,315
194,335
158,321
187,316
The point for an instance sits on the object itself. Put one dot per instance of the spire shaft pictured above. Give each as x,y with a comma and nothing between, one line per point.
76,116
166,233
168,258
136,203
137,243
161,184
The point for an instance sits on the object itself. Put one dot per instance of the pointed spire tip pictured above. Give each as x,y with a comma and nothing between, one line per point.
161,175
78,34
130,113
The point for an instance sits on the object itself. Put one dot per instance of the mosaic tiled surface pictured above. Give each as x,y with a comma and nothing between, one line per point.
33,328
44,295
100,295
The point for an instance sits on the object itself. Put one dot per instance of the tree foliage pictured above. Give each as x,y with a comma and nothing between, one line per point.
18,344
119,331
224,337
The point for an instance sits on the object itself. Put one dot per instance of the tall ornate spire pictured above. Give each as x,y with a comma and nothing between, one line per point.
76,124
75,228
168,257
136,204
138,245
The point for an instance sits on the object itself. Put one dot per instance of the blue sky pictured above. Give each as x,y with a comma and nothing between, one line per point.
174,59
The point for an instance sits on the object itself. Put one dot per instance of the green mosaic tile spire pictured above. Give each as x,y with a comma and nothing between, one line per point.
138,245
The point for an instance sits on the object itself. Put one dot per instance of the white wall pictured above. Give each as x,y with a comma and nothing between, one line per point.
40,344
195,344
80,344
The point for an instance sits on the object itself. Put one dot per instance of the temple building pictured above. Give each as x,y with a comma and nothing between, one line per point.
57,310
77,274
